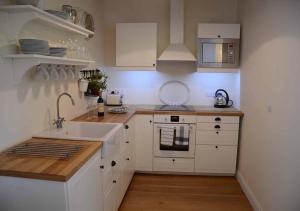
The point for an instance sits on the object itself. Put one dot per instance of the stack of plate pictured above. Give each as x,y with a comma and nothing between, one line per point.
59,52
118,110
57,13
34,46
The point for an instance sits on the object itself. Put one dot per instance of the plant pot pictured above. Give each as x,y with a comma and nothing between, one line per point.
83,85
96,93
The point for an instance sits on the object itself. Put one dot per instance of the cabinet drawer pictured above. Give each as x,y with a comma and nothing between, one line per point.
222,137
111,171
173,164
217,126
215,159
219,119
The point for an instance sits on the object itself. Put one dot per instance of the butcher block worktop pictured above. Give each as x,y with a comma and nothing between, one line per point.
47,168
150,109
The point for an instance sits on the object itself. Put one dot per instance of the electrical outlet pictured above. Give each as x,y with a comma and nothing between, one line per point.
269,108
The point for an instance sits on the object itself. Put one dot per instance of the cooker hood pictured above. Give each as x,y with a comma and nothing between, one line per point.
177,51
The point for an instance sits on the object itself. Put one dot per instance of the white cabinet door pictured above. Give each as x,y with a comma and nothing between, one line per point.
85,187
110,199
207,30
215,159
218,137
136,44
143,142
173,164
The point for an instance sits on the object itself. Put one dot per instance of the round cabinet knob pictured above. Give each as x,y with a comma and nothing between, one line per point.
173,160
127,142
150,121
216,147
218,119
126,127
127,159
102,167
114,181
217,132
217,127
113,163
219,36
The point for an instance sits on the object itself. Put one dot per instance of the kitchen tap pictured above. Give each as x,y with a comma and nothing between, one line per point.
59,121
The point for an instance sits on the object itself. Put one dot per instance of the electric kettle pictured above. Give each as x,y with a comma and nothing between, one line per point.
222,99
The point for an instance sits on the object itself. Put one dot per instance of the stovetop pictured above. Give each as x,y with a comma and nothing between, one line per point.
174,108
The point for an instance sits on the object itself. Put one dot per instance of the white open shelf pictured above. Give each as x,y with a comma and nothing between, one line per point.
23,62
22,14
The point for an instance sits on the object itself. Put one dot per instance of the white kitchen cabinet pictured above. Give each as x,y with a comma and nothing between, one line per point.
143,142
118,168
208,30
136,45
83,191
215,159
128,156
219,137
216,144
173,164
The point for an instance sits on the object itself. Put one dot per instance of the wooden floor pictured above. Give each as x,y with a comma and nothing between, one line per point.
184,193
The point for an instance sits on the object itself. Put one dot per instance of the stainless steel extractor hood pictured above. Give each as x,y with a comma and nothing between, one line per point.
177,51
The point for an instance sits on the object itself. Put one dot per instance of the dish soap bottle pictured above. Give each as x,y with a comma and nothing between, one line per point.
100,105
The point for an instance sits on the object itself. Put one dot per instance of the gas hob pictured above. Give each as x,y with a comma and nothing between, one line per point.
174,108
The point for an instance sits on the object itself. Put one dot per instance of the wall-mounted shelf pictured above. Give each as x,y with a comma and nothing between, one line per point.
19,15
23,62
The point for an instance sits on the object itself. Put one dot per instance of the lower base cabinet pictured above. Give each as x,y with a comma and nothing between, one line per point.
215,159
118,169
173,164
83,191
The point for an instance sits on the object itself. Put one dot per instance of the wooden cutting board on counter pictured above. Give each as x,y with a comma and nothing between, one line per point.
46,167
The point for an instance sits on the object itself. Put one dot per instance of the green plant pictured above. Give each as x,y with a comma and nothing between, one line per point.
97,83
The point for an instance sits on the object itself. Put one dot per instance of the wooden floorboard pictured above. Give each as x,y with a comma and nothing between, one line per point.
184,193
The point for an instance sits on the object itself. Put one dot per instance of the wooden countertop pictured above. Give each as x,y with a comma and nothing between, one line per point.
107,118
47,168
150,110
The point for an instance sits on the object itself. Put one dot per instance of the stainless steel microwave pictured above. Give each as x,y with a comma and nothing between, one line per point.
218,53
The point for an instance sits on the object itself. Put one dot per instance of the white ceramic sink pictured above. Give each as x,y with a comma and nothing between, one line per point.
86,131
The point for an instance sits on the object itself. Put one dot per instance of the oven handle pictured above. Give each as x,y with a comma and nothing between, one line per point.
191,127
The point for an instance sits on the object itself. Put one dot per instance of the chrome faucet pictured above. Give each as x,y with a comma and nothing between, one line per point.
59,121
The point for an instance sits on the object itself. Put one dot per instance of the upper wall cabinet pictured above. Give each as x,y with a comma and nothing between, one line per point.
136,46
225,31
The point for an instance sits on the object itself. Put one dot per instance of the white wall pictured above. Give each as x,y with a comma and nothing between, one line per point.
142,87
30,106
270,146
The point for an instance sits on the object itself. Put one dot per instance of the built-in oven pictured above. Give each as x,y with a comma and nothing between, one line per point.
218,52
174,136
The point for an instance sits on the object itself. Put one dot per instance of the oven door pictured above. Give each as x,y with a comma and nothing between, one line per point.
218,53
174,151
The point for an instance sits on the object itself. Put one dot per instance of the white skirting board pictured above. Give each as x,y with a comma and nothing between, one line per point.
248,192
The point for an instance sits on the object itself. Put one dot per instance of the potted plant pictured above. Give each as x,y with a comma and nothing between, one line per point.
97,83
